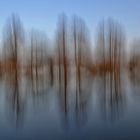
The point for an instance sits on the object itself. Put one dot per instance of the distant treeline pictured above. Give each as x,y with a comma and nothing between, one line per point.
31,51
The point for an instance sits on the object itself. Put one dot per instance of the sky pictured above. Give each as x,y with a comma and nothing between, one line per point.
43,14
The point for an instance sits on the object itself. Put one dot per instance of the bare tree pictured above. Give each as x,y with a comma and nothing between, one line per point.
111,42
63,59
13,40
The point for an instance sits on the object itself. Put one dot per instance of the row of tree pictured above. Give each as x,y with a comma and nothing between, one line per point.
71,49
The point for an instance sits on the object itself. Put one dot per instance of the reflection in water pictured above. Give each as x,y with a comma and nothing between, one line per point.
73,111
74,104
15,99
110,97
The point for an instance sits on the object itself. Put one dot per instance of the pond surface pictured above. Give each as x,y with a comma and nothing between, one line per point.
94,108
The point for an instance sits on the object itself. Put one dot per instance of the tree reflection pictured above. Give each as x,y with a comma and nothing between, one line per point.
111,43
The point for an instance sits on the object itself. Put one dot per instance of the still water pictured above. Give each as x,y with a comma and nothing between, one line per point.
97,108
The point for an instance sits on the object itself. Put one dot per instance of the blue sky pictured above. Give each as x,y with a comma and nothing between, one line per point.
43,14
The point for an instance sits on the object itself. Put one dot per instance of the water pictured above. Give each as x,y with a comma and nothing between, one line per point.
38,110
